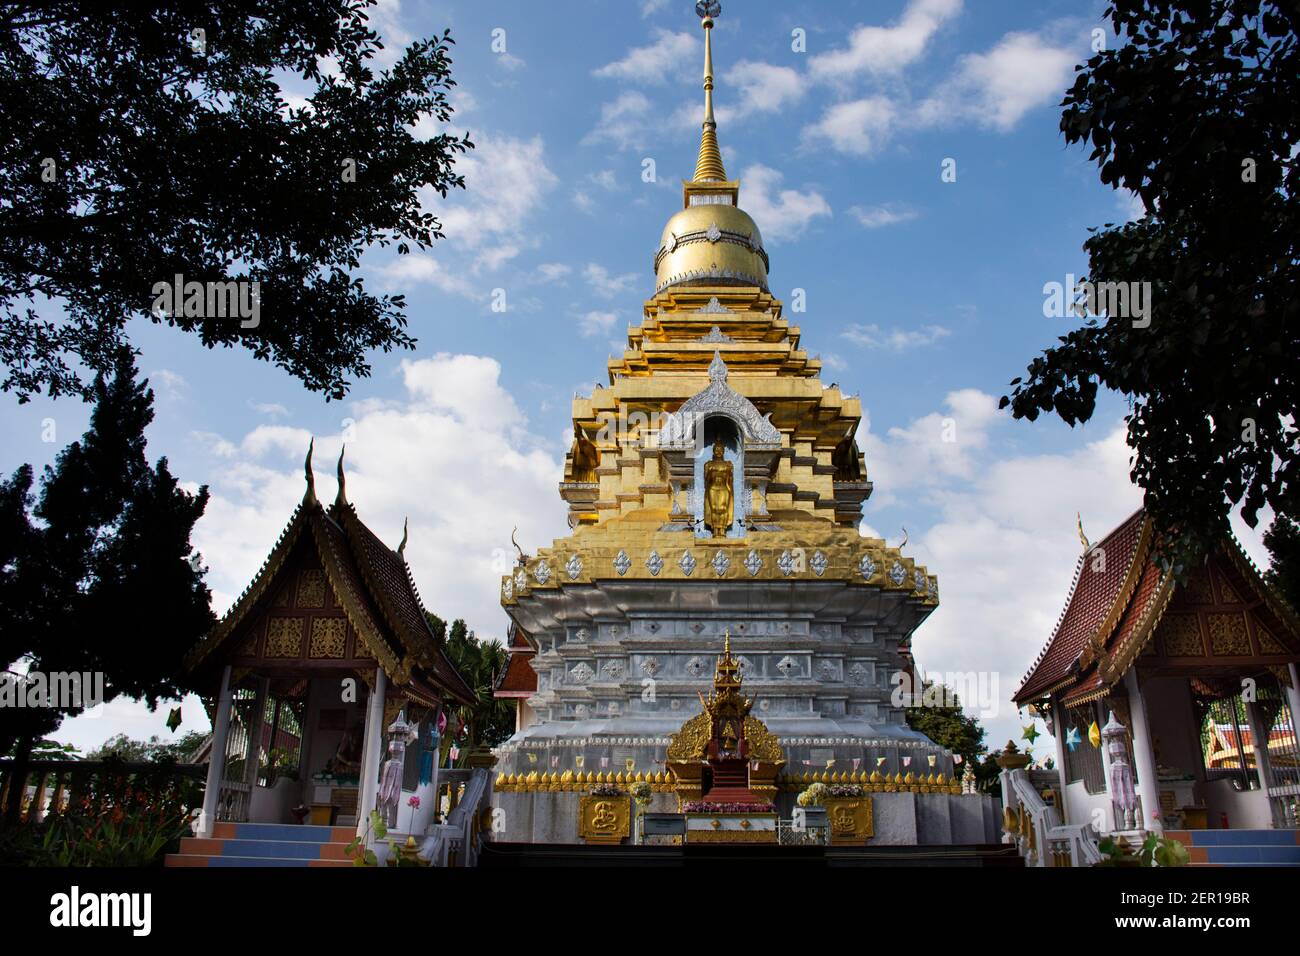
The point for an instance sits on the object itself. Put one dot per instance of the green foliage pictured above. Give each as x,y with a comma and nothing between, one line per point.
1154,851
169,161
107,540
155,748
949,726
359,849
489,720
123,819
1196,112
1283,543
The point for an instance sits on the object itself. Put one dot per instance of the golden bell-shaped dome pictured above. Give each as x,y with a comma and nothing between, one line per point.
712,244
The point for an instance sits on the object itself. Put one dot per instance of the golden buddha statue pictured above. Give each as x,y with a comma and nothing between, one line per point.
718,493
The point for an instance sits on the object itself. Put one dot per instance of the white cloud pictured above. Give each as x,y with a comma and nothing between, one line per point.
783,213
455,454
553,271
170,385
759,88
872,336
878,216
1022,72
657,63
270,409
506,181
423,267
604,284
623,121
858,127
509,62
584,201
886,50
649,7
597,323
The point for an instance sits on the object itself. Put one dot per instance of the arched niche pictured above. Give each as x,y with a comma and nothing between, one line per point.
722,428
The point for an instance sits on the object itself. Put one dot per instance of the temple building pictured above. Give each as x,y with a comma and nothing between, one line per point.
1191,685
326,655
714,487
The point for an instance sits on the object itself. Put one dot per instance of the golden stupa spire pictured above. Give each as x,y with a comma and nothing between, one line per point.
708,166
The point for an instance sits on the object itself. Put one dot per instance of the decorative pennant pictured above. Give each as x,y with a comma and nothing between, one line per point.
629,764
830,764
957,758
555,762
578,760
532,758
932,759
174,719
907,761
1094,735
880,761
1030,733
857,762
454,752
1073,738
604,763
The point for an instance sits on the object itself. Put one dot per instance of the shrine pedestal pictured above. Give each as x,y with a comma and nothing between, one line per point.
731,828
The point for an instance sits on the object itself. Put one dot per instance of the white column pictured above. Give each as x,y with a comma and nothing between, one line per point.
1293,697
1144,761
369,785
1058,725
253,761
1259,741
216,757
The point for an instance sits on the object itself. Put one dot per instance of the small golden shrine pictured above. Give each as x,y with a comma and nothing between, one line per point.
724,754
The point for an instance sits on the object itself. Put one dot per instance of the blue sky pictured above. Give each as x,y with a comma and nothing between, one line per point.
924,296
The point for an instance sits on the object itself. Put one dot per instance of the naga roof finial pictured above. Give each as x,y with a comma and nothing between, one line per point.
401,548
309,497
342,497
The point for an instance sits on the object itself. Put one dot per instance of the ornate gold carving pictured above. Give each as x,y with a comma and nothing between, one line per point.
249,646
1226,591
284,637
763,744
604,819
1181,635
690,742
311,588
328,638
361,650
718,492
1228,635
1268,644
850,819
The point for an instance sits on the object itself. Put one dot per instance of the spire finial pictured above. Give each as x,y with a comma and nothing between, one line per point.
1083,538
342,497
310,496
708,165
401,548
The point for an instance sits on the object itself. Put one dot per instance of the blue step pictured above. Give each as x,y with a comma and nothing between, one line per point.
1226,838
286,832
1273,855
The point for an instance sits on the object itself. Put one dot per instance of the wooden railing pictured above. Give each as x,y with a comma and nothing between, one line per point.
56,785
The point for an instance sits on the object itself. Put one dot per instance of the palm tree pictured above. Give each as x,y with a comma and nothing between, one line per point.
488,720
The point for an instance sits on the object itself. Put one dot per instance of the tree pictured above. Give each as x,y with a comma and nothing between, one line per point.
1196,113
155,748
488,721
148,141
947,724
1283,543
105,580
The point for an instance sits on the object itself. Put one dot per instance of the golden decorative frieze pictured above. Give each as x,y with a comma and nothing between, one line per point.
328,638
284,637
311,588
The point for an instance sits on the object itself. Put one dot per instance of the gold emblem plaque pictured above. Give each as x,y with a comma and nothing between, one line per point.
849,820
604,819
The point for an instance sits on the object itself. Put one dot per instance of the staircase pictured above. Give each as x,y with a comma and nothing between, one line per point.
266,844
1240,847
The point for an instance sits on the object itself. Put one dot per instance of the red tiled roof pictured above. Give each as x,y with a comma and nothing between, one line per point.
518,679
1096,589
